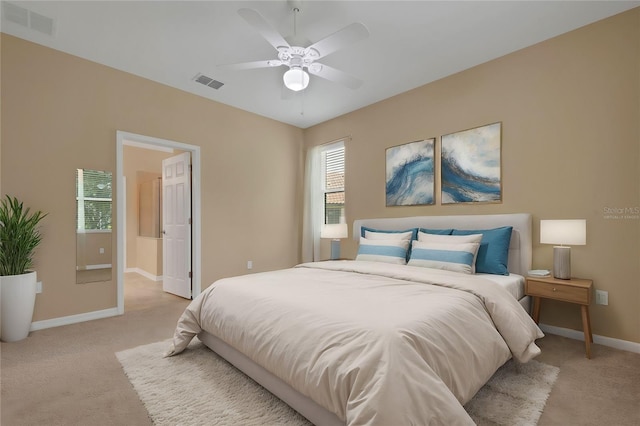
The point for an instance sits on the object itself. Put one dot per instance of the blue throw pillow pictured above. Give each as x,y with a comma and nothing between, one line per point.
493,254
436,231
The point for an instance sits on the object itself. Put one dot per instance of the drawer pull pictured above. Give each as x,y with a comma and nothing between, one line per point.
554,289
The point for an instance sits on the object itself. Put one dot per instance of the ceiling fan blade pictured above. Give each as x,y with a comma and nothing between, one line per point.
341,38
335,75
269,63
256,20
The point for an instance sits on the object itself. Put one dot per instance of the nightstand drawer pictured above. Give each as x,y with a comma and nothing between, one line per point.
559,291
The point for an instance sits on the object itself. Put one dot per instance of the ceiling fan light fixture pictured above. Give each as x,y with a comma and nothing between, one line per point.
296,79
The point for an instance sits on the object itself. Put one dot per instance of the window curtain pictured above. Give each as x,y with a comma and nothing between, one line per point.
312,220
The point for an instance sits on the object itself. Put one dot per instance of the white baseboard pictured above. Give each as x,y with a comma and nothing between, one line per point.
73,319
624,345
145,274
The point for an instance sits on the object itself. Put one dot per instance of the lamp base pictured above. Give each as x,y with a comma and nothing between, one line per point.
562,262
335,249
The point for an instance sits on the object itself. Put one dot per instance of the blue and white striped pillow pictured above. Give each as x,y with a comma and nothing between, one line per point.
389,251
453,239
458,257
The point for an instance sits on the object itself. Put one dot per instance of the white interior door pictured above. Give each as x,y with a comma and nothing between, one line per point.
176,225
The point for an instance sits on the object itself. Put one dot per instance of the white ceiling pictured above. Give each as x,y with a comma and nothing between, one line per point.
411,43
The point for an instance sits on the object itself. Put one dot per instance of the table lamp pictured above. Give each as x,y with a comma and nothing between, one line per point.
566,233
335,232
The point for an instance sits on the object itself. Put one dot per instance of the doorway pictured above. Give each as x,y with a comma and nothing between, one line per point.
148,142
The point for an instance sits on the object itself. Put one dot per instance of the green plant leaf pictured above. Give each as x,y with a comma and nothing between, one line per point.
19,236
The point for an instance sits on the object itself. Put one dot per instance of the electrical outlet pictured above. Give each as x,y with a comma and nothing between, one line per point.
101,250
602,297
39,287
249,264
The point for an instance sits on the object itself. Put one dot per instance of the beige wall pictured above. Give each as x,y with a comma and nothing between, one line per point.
570,112
61,113
149,255
150,206
139,165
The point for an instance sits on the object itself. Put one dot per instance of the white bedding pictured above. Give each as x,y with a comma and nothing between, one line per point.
376,344
513,283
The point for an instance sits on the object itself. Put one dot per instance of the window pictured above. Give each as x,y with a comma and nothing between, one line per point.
93,200
333,183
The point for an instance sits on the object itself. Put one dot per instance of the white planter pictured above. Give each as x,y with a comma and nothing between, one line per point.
17,300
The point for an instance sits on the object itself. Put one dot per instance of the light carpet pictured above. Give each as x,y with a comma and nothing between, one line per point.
198,387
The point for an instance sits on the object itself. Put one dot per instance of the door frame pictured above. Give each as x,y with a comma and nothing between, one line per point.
126,138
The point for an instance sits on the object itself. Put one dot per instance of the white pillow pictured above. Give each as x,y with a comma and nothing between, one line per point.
452,239
449,239
457,257
389,251
371,235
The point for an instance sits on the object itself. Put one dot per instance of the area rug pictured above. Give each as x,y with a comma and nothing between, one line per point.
198,387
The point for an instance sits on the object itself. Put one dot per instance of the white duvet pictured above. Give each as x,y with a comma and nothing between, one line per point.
374,343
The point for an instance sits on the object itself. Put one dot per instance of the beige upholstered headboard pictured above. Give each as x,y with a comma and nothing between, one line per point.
520,248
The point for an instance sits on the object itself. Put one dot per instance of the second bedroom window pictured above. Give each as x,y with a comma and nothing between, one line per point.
333,183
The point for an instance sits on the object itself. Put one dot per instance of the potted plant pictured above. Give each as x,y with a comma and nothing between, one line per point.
19,236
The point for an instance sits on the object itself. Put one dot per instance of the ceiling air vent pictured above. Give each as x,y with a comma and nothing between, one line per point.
26,18
16,14
41,23
208,81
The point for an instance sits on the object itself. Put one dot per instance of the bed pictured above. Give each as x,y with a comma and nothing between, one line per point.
520,247
366,342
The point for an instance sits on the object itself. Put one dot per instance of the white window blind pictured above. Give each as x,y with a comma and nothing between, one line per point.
333,173
93,199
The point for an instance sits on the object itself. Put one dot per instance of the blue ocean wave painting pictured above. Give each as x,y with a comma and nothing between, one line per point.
410,174
470,165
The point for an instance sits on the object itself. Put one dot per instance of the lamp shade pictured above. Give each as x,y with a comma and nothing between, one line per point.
296,79
565,232
334,231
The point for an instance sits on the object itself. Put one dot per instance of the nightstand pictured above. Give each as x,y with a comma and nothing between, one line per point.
574,290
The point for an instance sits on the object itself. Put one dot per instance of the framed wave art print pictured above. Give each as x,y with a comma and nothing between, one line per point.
471,165
410,173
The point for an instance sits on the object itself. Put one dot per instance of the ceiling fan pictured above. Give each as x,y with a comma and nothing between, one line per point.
301,61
